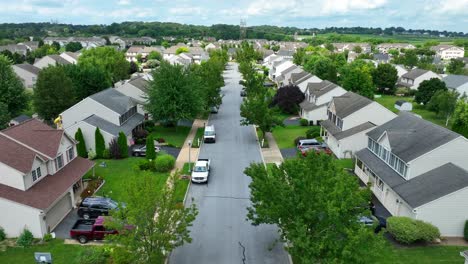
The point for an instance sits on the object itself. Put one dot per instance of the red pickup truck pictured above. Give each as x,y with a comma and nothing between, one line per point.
85,230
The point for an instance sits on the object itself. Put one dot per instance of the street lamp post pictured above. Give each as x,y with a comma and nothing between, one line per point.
190,150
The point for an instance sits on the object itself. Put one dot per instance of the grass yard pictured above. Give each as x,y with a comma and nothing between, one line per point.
198,136
389,102
285,136
181,185
345,163
118,172
61,253
174,136
427,255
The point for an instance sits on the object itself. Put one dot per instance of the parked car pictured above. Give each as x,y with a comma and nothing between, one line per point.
243,93
309,143
210,134
84,230
214,110
201,171
92,207
377,221
141,151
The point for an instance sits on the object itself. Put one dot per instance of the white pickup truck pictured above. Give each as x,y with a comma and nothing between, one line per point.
201,171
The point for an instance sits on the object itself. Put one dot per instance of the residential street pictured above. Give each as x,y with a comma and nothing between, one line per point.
221,233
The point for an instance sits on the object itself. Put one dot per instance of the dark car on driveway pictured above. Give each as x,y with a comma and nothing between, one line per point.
92,207
141,151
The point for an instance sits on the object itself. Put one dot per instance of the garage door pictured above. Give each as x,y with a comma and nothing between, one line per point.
58,212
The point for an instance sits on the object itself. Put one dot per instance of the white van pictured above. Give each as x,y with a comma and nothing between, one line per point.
210,134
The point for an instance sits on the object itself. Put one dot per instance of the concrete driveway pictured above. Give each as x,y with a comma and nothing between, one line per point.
221,234
63,229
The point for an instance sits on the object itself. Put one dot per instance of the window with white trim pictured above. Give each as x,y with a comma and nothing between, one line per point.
70,154
59,162
388,157
36,174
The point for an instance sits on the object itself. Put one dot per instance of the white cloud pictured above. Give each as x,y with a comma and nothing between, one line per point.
453,7
186,11
124,2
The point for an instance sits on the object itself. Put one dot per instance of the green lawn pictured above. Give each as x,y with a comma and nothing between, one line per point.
198,136
260,139
345,163
61,253
118,172
427,255
181,185
172,135
389,102
285,136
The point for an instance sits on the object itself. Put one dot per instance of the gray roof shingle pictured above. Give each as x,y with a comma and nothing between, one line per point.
454,81
113,99
321,88
140,83
308,106
380,168
414,73
297,78
29,68
349,103
112,128
337,133
411,136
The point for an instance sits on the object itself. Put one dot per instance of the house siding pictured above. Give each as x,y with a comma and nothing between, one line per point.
88,134
20,216
11,177
426,76
86,108
315,115
28,180
373,112
313,79
28,79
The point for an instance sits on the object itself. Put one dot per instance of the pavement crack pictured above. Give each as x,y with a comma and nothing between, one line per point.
226,197
243,252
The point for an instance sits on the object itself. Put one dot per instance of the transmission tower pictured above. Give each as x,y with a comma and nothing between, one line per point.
243,29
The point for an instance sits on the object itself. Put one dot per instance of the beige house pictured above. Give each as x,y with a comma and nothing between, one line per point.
50,60
415,77
27,74
447,52
419,170
40,177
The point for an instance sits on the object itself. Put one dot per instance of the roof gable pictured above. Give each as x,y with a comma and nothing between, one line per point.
349,103
114,100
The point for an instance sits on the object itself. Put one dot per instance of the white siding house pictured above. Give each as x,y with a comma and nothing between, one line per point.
447,52
27,74
302,79
418,169
415,77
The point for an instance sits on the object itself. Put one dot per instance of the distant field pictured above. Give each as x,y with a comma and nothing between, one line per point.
403,38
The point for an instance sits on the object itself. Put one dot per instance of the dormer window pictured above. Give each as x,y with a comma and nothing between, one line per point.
123,118
388,157
36,174
70,154
59,162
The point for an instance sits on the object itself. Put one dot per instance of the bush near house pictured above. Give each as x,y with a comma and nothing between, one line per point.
26,239
164,163
123,147
465,233
407,230
314,132
304,122
100,143
2,234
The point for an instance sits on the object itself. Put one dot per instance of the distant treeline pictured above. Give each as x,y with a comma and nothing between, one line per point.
219,31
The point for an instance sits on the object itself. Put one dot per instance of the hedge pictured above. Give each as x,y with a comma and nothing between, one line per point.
164,163
407,230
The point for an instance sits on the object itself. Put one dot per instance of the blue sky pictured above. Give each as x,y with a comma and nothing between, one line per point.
451,15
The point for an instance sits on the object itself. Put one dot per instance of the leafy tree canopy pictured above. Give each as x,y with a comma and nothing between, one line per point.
13,95
109,59
427,89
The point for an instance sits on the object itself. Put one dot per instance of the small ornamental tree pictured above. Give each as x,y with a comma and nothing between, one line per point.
150,153
427,89
465,231
81,147
114,149
100,143
122,141
287,98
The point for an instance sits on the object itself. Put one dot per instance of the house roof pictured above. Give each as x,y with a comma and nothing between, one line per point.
321,88
455,81
140,83
74,55
21,118
36,135
309,106
433,184
381,57
380,168
58,59
112,128
29,68
16,155
113,99
411,136
285,53
349,103
44,193
337,133
414,73
289,69
299,77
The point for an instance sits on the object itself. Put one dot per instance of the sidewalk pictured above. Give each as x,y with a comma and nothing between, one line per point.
184,152
271,154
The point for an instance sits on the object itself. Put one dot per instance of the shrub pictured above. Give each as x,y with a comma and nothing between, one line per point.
148,123
81,146
91,154
147,165
106,154
93,255
114,149
164,163
25,239
313,133
161,140
140,134
296,141
47,237
403,91
407,230
2,234
100,143
465,233
304,122
150,152
123,147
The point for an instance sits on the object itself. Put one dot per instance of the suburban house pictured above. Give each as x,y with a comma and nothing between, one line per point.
458,83
195,54
16,48
302,79
87,43
381,58
110,110
50,60
317,97
286,53
143,51
27,74
415,77
400,70
385,47
278,68
447,52
403,105
71,57
283,77
40,179
350,116
212,46
179,60
341,47
419,170
135,88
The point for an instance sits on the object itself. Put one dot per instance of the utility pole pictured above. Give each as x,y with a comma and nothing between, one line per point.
243,29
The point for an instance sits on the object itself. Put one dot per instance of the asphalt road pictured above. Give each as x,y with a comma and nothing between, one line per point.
221,234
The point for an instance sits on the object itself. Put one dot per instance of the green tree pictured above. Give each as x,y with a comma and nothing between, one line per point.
385,77
133,67
122,141
4,115
174,94
410,59
330,47
298,57
275,48
100,143
150,151
357,77
443,102
456,66
13,95
460,117
325,69
53,92
154,55
210,74
182,50
55,45
160,225
139,58
87,79
73,46
427,89
357,49
81,146
109,59
316,205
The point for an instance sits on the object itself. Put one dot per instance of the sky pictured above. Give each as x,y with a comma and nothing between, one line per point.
450,15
